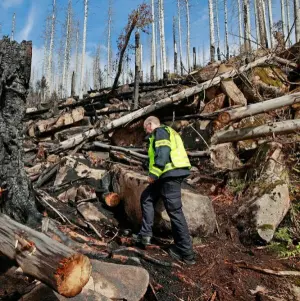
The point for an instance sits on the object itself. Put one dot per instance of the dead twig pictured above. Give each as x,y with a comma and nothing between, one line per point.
147,257
94,229
244,265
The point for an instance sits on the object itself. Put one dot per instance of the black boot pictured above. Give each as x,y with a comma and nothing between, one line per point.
188,259
142,240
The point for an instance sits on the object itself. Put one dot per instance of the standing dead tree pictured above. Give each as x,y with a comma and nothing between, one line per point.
175,46
188,47
13,27
179,37
86,3
109,51
137,75
153,73
17,199
211,30
217,25
161,19
67,51
51,47
297,19
226,30
139,18
240,24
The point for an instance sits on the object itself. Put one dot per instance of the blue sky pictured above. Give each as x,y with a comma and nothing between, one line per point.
31,15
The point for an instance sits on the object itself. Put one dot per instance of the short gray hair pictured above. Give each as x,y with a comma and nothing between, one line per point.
152,119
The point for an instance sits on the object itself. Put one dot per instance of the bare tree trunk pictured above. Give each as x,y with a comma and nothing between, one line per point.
46,42
270,14
188,50
226,30
175,47
256,23
137,71
67,49
50,60
247,28
13,27
211,31
153,73
162,34
77,59
179,35
282,5
73,89
297,20
240,24
261,21
194,58
288,21
17,200
216,9
82,75
109,61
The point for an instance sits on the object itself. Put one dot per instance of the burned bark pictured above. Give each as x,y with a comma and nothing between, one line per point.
17,201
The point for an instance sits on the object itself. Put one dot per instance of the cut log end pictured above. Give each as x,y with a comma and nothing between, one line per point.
112,199
72,275
224,118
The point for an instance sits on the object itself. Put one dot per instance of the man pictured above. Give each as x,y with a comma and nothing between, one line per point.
168,166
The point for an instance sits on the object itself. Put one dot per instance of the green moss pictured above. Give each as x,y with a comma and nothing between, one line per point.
263,73
236,185
266,227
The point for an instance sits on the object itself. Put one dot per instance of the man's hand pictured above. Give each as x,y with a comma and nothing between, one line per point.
150,180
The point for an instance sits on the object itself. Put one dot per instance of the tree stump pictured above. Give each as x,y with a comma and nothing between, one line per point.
17,199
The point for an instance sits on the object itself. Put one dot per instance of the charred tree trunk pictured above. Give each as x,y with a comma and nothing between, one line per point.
17,200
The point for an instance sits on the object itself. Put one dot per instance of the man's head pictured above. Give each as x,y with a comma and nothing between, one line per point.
150,124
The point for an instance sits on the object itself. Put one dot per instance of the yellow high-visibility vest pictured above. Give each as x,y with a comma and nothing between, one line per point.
179,157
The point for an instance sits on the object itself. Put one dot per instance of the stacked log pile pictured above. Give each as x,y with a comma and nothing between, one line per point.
86,156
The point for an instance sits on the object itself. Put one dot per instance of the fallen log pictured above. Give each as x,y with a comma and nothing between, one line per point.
257,108
236,97
54,123
119,148
181,95
285,62
282,127
47,260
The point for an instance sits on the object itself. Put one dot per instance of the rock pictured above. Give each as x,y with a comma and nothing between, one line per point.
118,282
223,156
197,208
266,201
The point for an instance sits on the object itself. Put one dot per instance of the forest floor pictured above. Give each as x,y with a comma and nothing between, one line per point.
219,273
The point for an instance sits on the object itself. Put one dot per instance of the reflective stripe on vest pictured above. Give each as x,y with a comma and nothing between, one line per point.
179,157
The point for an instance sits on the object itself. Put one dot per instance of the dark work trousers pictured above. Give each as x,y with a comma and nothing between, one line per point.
169,189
